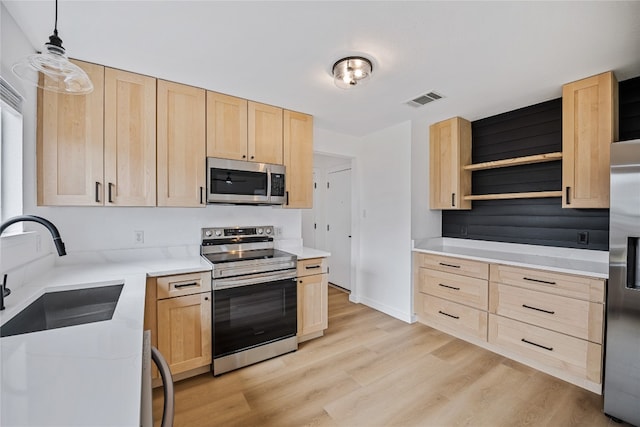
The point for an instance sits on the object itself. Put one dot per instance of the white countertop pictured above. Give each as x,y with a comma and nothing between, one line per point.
306,253
564,260
84,375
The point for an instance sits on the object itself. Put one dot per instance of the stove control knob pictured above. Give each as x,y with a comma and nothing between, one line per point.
218,233
259,231
268,231
208,233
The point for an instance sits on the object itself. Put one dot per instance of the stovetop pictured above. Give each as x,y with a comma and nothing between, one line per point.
234,256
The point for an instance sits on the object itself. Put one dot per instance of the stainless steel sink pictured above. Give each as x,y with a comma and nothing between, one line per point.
65,308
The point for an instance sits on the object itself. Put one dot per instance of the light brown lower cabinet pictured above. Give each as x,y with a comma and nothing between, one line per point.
551,321
312,291
178,313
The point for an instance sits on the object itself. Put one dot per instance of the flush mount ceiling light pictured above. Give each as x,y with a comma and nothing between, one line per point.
60,75
351,71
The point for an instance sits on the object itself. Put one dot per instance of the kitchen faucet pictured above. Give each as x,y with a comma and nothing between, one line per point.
57,240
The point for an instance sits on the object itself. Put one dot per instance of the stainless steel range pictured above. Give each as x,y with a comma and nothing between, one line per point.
254,296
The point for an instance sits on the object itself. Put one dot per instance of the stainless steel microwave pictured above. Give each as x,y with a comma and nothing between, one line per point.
241,182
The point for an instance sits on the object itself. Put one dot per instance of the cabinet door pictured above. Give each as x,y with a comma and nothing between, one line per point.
184,331
312,304
265,133
129,139
70,144
449,150
226,126
298,159
181,145
589,126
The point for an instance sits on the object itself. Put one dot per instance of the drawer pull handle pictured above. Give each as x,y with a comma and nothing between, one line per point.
309,267
185,285
447,314
537,345
539,281
449,265
538,309
449,287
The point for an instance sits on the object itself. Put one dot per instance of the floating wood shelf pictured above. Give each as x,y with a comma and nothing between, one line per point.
527,160
502,196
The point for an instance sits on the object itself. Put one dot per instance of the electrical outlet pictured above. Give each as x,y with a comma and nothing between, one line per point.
583,237
277,231
138,237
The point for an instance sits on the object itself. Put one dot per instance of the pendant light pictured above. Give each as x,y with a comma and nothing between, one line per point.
351,71
60,75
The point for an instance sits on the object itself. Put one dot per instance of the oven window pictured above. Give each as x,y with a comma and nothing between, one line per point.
246,183
248,316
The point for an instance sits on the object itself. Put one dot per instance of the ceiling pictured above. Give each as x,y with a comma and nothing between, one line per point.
484,57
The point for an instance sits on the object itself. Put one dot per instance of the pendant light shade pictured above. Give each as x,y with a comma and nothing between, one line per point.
351,71
51,70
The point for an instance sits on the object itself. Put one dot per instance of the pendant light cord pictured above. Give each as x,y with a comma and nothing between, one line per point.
55,25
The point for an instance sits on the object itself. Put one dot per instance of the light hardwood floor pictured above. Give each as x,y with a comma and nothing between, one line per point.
373,370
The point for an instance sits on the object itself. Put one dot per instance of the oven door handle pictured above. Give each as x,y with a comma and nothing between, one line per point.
253,279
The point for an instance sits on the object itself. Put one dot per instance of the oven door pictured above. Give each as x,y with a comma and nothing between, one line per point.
252,315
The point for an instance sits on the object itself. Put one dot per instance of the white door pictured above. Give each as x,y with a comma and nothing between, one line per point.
309,220
339,227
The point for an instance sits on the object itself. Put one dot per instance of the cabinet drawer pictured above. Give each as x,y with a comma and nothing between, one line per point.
307,267
454,287
579,318
586,288
452,316
464,267
575,356
183,284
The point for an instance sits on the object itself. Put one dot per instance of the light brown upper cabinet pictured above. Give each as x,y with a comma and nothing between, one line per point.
226,126
449,151
298,159
70,144
589,126
129,139
181,144
264,133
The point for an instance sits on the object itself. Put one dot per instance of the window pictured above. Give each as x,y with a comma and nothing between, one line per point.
11,135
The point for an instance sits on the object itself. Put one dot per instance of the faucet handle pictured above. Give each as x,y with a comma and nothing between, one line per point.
4,291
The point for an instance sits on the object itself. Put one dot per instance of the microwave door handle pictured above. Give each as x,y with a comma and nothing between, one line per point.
268,185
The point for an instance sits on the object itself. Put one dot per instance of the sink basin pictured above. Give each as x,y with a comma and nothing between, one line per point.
65,308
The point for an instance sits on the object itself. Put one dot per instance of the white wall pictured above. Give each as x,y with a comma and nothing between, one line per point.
21,249
425,223
384,273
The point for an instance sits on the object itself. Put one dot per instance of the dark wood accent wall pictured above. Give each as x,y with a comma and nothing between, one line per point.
629,112
532,130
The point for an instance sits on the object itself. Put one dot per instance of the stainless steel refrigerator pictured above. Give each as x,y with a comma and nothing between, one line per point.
622,356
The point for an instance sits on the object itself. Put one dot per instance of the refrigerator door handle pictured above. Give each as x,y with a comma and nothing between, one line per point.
632,263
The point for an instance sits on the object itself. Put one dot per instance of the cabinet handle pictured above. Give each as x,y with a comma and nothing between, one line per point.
447,314
449,287
537,345
538,309
300,281
309,267
539,281
206,298
453,199
449,265
97,192
286,199
244,156
201,195
566,195
184,285
251,157
110,186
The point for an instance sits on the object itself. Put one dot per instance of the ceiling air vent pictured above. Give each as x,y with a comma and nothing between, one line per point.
424,99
